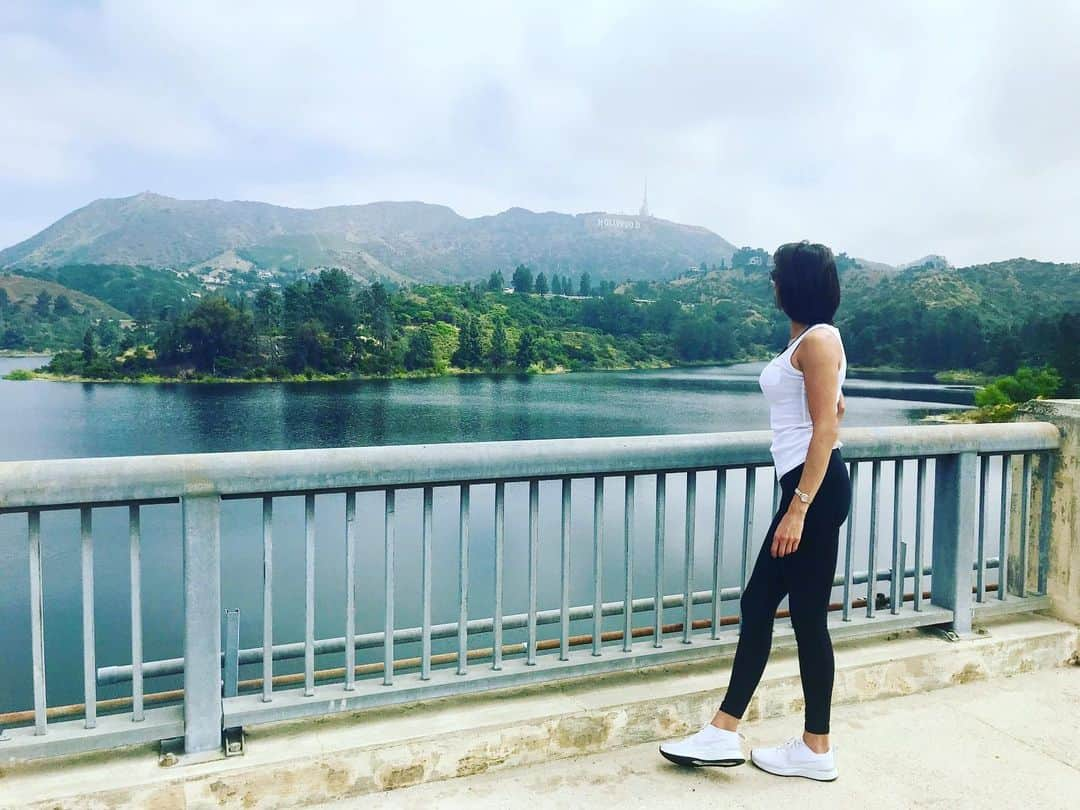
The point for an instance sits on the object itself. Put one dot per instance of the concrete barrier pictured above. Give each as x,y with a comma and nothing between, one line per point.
1063,492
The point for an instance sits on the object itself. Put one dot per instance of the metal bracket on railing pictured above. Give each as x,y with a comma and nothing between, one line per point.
234,741
4,735
949,635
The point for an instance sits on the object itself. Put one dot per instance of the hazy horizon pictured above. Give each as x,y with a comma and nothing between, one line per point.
888,132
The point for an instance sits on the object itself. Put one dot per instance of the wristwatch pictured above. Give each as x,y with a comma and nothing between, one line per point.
802,496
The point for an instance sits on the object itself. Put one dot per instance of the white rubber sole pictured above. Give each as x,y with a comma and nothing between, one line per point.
806,773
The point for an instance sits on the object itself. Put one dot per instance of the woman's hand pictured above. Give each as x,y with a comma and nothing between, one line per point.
788,532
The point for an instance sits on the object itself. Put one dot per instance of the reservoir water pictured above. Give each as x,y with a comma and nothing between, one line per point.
40,420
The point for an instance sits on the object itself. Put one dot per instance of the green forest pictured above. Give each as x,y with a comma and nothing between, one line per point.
990,319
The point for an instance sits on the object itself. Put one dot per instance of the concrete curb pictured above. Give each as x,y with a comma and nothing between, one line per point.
289,765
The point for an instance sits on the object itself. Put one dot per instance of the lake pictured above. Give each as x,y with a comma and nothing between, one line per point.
41,420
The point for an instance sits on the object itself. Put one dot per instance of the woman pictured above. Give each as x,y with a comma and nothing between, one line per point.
798,558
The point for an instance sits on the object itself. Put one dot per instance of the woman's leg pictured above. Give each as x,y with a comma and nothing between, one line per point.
758,604
810,575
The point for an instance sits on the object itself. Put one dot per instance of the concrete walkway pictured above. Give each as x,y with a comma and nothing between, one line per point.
1006,742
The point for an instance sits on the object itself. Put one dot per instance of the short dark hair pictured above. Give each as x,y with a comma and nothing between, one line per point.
806,282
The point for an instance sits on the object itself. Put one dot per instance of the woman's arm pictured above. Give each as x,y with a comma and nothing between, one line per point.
819,359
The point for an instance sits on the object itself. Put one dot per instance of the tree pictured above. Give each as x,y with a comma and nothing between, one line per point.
333,304
62,305
43,304
585,287
496,282
541,285
420,353
5,301
268,310
499,353
523,281
556,284
216,331
1027,383
89,351
375,311
469,352
310,347
523,357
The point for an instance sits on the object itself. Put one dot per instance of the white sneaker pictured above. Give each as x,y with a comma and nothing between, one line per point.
794,758
710,746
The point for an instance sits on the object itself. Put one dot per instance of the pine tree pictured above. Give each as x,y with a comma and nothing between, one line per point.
556,284
541,285
523,280
524,356
89,353
499,353
469,353
585,288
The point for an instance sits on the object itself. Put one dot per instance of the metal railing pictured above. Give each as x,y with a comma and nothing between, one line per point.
954,472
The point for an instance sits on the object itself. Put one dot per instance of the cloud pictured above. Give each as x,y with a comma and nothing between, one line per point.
889,131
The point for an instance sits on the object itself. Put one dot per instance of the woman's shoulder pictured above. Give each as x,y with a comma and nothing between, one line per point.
818,342
817,336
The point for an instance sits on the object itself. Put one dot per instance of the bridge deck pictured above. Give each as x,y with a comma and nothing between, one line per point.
1007,742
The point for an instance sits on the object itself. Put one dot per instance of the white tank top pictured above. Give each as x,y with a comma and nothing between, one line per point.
789,415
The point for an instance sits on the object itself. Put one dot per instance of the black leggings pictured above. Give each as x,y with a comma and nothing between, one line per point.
805,577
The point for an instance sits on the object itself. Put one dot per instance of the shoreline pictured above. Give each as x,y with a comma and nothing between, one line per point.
27,375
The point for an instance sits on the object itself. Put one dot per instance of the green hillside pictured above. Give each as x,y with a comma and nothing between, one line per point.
41,315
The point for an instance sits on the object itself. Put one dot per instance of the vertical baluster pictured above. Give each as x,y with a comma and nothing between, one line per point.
463,582
564,604
534,552
896,595
849,544
718,550
89,643
628,564
691,522
871,565
350,591
1025,528
658,608
748,523
268,600
920,498
1046,463
500,531
425,587
598,564
1003,536
37,622
135,559
388,577
309,594
980,551
775,494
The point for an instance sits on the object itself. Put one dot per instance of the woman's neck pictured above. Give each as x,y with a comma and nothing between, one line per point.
797,329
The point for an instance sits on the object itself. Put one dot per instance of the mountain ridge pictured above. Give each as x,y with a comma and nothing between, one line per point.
399,240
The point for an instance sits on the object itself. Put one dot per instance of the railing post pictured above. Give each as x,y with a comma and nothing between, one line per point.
202,622
953,553
1055,507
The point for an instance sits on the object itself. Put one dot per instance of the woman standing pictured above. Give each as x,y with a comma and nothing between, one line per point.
798,557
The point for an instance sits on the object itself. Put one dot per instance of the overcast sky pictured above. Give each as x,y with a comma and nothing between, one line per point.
889,130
